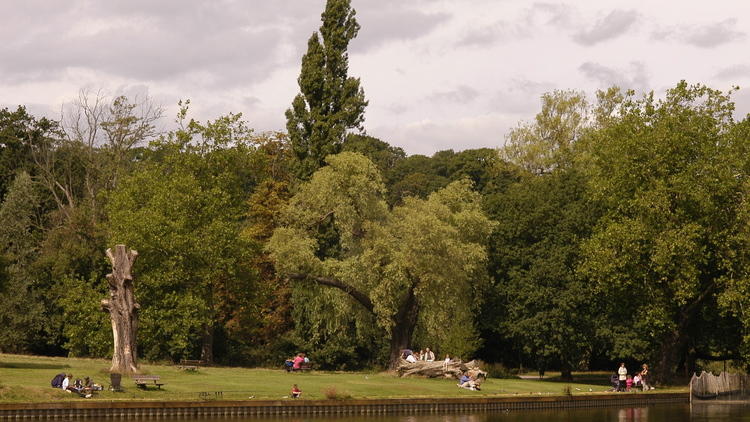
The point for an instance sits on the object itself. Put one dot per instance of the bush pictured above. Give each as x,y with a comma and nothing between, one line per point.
498,370
331,393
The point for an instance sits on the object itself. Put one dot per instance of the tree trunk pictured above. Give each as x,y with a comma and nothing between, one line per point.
566,374
123,310
207,347
405,321
669,356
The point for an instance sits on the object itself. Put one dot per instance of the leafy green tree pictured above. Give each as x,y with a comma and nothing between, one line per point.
546,143
20,132
330,102
21,316
266,324
183,211
671,174
539,302
385,156
402,267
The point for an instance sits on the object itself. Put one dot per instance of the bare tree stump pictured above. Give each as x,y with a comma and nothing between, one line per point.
123,310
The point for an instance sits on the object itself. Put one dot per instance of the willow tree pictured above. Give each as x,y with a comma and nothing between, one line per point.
418,266
330,102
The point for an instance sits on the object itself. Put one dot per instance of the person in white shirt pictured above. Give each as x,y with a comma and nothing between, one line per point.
66,382
429,356
622,373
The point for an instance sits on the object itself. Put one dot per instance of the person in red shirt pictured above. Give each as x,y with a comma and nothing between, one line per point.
296,392
297,362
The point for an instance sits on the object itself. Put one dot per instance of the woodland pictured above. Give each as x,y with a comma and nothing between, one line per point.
604,229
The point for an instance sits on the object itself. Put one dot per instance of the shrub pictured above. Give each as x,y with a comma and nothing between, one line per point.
498,370
331,393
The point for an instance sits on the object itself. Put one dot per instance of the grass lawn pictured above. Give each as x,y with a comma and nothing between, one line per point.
27,379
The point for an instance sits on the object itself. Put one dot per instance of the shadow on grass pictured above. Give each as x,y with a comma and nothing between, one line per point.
591,379
29,365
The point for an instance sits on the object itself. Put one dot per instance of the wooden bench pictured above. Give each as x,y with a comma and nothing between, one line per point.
190,365
143,381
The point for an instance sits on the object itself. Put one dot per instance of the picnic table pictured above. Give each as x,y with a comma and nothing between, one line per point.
190,365
143,381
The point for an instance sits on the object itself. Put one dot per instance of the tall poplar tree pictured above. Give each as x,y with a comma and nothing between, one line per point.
329,102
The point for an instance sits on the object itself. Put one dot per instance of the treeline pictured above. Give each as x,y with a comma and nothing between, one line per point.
603,230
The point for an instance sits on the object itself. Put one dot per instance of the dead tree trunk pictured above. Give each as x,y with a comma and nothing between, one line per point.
123,310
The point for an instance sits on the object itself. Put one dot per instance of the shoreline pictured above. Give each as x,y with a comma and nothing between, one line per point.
291,407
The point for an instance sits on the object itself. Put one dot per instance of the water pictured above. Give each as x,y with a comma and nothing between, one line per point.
703,412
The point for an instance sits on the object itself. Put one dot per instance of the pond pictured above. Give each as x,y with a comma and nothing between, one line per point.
703,412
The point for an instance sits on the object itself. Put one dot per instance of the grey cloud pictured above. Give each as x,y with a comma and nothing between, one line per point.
732,73
704,36
714,34
539,14
611,26
461,95
559,15
483,35
635,78
216,43
380,26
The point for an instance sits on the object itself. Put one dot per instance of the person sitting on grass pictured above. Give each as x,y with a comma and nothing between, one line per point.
296,392
75,388
466,382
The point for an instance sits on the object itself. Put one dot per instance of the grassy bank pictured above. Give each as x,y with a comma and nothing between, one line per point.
27,379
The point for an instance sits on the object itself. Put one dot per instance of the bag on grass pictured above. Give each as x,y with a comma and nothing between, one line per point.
58,380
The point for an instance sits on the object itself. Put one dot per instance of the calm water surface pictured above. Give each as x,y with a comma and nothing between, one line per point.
703,412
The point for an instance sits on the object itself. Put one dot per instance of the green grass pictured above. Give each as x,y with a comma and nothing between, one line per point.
27,379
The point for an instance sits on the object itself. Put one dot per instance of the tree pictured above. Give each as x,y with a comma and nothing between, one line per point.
21,316
183,210
546,143
539,301
330,102
19,133
670,173
404,267
123,310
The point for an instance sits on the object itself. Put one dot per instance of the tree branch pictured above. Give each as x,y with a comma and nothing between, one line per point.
360,297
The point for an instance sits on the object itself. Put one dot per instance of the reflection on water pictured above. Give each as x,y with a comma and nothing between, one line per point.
703,412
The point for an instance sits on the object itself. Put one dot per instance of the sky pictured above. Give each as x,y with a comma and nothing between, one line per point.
438,74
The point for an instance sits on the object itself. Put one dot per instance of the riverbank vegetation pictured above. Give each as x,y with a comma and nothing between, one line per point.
606,229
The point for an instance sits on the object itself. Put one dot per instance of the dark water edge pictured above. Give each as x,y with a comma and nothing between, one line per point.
698,412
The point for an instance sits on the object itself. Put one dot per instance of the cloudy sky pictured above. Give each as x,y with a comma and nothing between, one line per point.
438,74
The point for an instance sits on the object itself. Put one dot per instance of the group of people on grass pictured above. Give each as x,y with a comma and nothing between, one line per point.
623,381
83,388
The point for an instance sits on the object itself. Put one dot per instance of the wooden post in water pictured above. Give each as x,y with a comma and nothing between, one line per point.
123,310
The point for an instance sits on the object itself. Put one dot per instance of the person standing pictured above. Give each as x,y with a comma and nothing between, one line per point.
645,380
622,376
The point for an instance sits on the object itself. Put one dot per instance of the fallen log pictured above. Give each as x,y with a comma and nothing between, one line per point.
440,369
